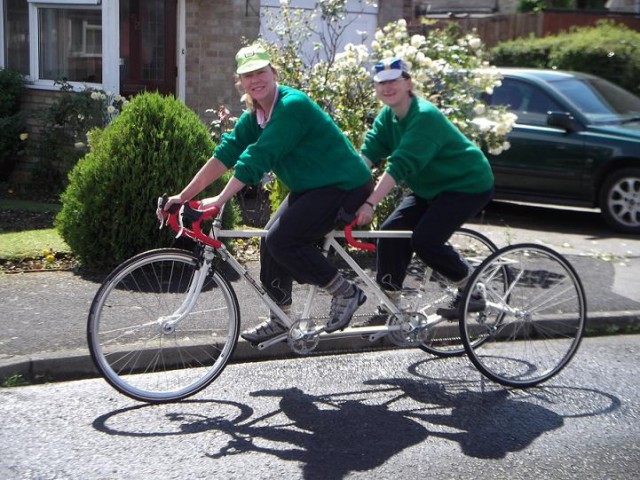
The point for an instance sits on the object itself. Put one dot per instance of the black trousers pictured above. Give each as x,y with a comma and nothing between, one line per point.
432,222
291,249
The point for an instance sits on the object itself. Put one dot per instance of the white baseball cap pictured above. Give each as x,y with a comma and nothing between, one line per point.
390,69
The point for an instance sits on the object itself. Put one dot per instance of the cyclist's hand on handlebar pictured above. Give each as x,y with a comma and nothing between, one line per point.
364,214
210,202
172,200
164,203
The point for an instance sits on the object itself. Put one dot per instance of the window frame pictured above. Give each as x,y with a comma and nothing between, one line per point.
110,43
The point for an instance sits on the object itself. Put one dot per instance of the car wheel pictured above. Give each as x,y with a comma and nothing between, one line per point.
620,200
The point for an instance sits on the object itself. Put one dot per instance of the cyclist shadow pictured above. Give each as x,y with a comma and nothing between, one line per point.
330,442
334,437
335,434
486,424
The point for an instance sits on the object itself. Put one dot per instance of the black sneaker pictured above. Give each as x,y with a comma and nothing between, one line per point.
264,331
382,313
380,316
476,304
342,309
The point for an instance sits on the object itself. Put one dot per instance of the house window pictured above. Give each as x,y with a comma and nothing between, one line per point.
16,35
53,40
70,44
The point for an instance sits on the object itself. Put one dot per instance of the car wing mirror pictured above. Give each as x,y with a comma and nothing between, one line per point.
563,120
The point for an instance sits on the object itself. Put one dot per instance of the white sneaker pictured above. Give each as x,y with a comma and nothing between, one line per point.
264,331
343,308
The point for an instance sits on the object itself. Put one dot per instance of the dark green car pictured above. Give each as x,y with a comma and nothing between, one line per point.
576,142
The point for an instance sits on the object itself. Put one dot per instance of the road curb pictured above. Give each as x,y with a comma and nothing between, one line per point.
77,364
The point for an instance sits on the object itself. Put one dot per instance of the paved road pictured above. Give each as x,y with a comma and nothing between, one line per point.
376,415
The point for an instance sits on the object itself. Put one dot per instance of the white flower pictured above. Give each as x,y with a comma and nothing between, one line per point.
479,109
483,123
417,41
502,128
111,109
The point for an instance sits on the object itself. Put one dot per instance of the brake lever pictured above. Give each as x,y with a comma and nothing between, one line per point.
163,218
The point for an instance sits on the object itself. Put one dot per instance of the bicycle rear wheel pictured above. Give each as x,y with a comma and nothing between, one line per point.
543,315
425,291
144,337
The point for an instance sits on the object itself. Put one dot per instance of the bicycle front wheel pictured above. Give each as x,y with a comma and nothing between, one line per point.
535,315
431,291
154,335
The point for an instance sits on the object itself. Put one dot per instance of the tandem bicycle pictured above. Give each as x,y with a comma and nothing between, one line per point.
164,324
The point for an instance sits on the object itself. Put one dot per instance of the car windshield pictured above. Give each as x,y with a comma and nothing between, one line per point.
600,100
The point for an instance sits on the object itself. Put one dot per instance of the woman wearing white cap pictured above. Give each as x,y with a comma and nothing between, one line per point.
449,178
283,131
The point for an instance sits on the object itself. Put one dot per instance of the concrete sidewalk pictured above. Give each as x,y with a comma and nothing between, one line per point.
43,316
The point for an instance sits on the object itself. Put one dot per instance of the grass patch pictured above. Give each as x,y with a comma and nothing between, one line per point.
27,229
30,243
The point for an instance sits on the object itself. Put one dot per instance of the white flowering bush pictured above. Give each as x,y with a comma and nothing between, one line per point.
451,71
110,104
448,68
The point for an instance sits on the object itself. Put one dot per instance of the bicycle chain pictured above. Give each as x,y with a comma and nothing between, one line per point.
368,316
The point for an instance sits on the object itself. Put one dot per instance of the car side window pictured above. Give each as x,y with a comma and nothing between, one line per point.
528,102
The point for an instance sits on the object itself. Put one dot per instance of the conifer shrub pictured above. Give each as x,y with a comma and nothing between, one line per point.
154,146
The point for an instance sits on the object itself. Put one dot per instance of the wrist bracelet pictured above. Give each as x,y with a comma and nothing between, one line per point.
370,204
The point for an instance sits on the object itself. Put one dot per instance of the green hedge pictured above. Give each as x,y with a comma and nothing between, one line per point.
608,50
155,145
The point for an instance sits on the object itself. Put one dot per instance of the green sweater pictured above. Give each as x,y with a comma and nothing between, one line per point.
427,152
300,144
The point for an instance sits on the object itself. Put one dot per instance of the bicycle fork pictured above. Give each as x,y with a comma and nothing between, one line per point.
170,322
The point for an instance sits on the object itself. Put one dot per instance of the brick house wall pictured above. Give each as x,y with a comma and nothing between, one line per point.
33,101
392,10
213,36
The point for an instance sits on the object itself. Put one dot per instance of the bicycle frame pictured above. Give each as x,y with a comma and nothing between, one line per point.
212,243
330,243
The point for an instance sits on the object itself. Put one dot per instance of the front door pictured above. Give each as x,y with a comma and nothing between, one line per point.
147,46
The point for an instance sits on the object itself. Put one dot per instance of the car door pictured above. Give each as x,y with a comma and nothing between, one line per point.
543,161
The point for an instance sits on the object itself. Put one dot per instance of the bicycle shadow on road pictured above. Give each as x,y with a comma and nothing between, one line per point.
331,435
